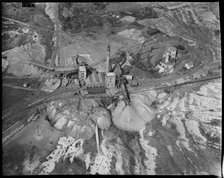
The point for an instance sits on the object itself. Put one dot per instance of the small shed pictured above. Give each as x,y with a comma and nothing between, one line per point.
189,65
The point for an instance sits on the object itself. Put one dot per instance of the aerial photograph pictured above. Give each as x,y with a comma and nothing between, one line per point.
111,88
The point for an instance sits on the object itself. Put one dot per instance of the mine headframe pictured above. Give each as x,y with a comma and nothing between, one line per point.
121,82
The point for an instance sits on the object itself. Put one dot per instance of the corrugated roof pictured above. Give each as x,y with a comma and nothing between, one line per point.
96,79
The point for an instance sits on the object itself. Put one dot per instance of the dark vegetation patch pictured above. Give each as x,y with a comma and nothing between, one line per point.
100,5
113,165
83,17
144,64
208,136
26,4
67,168
46,40
11,96
145,13
180,47
90,146
11,41
132,165
217,32
151,31
113,21
136,25
33,15
13,159
216,122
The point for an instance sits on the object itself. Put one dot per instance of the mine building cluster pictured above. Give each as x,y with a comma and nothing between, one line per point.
166,66
104,82
90,81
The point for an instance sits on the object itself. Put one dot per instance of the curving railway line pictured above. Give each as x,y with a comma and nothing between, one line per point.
45,97
20,110
171,87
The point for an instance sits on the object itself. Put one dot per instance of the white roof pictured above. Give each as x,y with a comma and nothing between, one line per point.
129,77
171,48
187,66
82,68
25,30
110,74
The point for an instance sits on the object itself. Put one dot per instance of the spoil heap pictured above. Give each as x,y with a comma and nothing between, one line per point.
78,117
134,117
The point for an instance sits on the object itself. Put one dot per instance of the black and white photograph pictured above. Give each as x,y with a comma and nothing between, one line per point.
111,88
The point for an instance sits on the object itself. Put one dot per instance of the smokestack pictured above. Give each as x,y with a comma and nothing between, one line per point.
108,67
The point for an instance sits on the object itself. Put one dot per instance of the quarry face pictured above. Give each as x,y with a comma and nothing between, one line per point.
113,88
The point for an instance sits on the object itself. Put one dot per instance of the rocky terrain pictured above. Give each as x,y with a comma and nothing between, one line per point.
171,131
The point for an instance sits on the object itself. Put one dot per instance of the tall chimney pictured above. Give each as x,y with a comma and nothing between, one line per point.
108,67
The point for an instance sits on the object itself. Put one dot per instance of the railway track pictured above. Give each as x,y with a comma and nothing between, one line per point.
15,124
17,87
46,96
65,68
177,85
16,116
26,24
33,101
20,109
16,121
